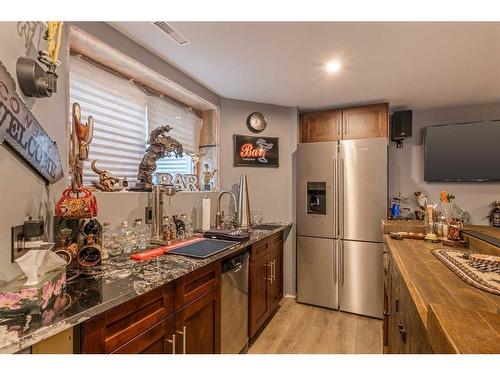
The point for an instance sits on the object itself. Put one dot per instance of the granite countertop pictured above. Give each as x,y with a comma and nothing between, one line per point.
469,317
114,282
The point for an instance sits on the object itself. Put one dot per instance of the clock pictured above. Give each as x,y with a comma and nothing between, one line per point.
256,122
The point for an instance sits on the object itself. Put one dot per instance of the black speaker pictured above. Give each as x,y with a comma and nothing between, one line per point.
401,125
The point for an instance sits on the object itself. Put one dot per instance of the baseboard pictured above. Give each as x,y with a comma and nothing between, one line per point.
290,296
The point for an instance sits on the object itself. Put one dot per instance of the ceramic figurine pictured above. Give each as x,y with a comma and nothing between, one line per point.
106,181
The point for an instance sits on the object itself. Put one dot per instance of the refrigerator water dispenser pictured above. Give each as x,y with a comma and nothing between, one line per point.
316,198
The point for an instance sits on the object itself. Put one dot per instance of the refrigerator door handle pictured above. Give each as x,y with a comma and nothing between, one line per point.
335,262
335,196
341,199
342,263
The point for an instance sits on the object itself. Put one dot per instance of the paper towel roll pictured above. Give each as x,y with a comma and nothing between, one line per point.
205,222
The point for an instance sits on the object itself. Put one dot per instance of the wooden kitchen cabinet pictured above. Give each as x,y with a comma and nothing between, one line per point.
197,326
265,281
258,301
369,121
320,126
403,329
276,282
112,329
186,311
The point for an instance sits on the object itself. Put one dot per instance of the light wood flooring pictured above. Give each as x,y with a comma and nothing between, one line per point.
298,328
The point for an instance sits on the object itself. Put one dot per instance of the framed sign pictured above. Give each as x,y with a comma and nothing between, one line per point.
23,133
251,151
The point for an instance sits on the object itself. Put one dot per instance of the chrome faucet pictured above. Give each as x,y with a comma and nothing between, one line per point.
219,215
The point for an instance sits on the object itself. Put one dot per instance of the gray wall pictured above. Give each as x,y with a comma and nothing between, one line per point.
21,190
406,166
271,190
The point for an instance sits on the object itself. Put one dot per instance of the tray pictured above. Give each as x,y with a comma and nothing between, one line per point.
203,249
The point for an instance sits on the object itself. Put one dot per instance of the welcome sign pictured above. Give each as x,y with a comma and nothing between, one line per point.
251,151
24,133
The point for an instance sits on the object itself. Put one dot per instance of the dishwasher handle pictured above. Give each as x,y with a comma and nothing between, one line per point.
234,264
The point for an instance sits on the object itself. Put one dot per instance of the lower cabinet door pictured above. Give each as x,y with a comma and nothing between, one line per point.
197,325
158,339
260,274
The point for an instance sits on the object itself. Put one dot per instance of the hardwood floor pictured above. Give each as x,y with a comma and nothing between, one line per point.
298,328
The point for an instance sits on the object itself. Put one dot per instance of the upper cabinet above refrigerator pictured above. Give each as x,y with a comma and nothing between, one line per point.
368,121
322,126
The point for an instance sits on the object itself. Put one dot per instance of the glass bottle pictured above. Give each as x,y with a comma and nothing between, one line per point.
188,223
107,239
166,228
126,238
172,230
140,229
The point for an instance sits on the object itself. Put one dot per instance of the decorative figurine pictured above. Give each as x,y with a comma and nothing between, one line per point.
106,181
160,145
81,136
207,177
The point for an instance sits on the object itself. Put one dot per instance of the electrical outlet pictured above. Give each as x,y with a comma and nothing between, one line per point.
17,240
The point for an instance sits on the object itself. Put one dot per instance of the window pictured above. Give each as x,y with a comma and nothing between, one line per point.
123,116
186,129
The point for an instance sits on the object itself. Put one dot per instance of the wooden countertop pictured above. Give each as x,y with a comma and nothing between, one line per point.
456,315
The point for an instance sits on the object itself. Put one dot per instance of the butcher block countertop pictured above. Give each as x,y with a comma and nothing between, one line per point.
458,317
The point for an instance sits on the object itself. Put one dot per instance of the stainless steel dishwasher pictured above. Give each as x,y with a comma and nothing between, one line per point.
234,305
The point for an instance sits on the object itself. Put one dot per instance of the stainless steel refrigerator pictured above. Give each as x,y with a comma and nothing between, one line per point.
341,200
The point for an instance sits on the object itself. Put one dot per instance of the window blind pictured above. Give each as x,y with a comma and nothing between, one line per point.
119,110
186,125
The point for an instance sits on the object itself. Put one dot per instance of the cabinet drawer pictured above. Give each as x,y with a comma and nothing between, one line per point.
152,341
260,249
195,284
110,330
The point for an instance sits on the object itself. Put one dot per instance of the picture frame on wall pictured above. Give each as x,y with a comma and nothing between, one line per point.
255,151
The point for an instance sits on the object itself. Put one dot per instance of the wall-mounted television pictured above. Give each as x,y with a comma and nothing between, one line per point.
462,152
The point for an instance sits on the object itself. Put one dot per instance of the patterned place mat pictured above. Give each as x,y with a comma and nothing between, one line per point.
454,259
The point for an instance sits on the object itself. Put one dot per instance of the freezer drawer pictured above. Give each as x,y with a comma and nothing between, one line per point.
317,271
317,212
361,278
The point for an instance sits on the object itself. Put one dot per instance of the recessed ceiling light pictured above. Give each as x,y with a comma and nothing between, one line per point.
333,66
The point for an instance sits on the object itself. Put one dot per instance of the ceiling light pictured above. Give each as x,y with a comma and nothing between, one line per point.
333,66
